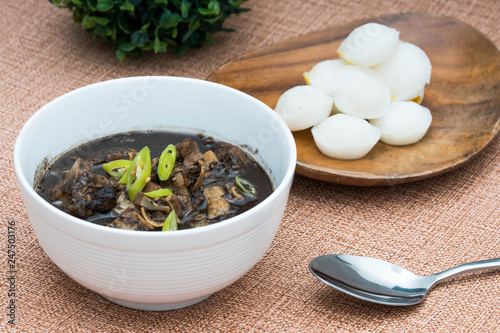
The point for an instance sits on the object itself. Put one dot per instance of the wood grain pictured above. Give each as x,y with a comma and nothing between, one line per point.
463,96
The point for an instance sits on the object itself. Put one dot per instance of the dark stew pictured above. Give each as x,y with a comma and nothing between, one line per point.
154,180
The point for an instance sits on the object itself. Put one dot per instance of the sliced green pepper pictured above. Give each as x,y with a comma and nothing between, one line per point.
139,172
167,162
117,168
123,180
164,192
245,186
170,222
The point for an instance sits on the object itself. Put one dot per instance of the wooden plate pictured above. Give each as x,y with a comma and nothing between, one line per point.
464,97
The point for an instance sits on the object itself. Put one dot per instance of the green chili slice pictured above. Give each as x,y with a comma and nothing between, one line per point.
164,192
245,186
117,168
170,222
123,180
166,162
139,172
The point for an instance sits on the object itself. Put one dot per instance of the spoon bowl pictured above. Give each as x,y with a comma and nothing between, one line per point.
381,282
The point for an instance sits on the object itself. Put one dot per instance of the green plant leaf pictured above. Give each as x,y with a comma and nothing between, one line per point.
104,7
126,47
92,4
213,8
101,20
147,47
113,33
145,27
88,22
185,8
102,31
181,50
211,20
208,38
157,44
169,19
127,6
236,3
123,24
77,16
139,38
193,25
163,47
176,3
120,55
169,42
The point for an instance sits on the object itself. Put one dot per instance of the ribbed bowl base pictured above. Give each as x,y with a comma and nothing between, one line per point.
155,307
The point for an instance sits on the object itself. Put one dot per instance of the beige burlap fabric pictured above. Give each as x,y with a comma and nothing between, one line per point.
425,226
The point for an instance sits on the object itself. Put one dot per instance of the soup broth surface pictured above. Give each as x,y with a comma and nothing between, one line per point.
211,181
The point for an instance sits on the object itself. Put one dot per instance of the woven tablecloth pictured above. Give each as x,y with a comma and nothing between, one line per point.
426,226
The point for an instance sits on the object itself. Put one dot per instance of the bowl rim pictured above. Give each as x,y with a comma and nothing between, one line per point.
23,182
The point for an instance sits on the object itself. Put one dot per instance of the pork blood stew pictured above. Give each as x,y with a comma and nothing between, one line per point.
154,180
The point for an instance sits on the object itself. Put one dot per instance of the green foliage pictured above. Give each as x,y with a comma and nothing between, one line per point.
135,26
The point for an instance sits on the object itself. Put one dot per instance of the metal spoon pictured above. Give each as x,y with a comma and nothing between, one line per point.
381,282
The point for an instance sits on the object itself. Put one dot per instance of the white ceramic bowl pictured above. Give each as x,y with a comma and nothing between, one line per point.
156,270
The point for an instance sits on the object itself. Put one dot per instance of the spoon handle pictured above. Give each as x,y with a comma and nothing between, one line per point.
448,274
